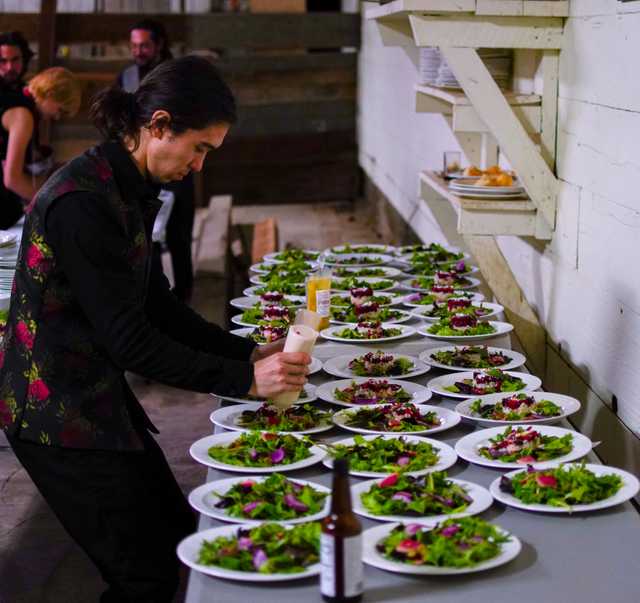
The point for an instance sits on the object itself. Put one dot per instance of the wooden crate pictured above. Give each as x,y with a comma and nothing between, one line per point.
278,6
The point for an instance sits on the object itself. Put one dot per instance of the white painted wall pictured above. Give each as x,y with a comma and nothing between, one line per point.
585,284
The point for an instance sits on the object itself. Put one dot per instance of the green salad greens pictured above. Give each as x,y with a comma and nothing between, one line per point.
473,357
297,255
268,549
426,282
519,407
357,249
356,283
386,455
443,311
285,267
397,417
381,300
434,253
446,328
380,364
456,543
262,449
368,330
368,312
275,498
526,445
562,486
488,381
284,276
258,314
279,285
431,494
372,391
295,418
359,272
428,299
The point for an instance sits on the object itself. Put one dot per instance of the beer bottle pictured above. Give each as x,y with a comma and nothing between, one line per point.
341,543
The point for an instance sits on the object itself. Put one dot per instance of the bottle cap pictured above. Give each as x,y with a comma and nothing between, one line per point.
341,466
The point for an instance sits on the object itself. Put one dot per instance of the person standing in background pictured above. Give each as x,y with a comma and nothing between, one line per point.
15,55
149,47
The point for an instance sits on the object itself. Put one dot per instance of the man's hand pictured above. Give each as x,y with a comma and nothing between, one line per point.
278,373
263,351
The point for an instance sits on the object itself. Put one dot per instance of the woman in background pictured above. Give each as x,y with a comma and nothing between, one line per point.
53,94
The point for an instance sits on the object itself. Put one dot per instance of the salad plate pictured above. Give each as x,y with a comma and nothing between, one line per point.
428,313
419,300
346,315
230,417
200,451
289,255
367,272
266,267
500,328
550,408
464,358
245,303
375,364
541,446
359,248
439,385
438,456
190,549
376,284
382,299
248,331
213,499
469,283
357,260
369,496
375,538
442,418
310,394
552,490
388,332
256,290
417,270
237,320
409,392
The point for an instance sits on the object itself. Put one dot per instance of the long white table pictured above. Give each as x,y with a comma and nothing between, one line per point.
582,558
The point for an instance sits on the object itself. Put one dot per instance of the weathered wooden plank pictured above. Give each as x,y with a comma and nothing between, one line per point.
550,68
546,8
490,32
259,31
494,110
399,8
500,7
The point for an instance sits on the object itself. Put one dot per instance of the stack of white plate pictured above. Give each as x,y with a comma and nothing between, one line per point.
467,187
8,259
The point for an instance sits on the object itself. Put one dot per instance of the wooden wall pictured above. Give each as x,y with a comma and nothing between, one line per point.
295,85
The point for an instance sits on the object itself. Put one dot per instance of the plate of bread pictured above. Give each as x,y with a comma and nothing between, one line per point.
493,181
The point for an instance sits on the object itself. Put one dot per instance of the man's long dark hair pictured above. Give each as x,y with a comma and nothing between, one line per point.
15,38
158,34
190,89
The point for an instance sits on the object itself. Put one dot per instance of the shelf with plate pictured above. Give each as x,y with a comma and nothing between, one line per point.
519,217
523,126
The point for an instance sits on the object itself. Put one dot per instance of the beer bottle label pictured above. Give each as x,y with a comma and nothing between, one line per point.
352,570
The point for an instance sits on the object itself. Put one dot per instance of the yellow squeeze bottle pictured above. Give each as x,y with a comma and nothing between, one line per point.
319,294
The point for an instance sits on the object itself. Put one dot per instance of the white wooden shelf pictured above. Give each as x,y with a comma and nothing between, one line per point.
464,118
519,217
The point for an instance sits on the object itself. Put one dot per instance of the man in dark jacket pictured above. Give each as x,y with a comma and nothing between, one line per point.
87,306
15,55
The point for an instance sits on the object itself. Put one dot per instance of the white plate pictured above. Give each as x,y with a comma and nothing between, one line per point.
470,270
437,385
372,557
448,419
420,394
388,272
467,447
237,320
494,310
448,457
189,548
258,270
393,298
517,359
404,317
472,283
331,335
475,298
244,303
338,366
407,257
203,500
380,248
310,390
363,259
482,500
492,196
253,292
501,328
271,257
199,449
227,416
370,281
568,405
469,184
628,490
7,238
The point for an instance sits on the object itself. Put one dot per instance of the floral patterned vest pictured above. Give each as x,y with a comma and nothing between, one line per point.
58,386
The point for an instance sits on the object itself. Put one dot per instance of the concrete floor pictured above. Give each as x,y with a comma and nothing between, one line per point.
39,563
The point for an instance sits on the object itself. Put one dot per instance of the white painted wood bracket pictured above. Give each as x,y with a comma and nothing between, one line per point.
492,107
